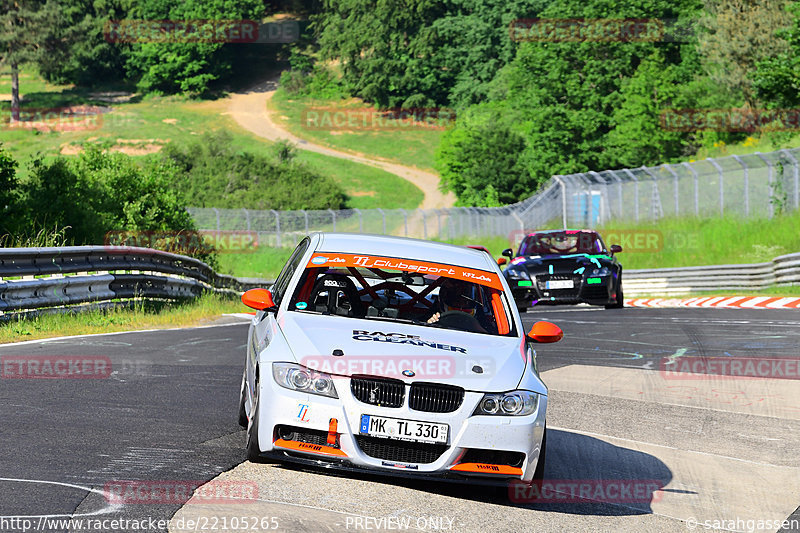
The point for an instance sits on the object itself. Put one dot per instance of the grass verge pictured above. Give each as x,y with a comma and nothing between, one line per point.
413,146
144,315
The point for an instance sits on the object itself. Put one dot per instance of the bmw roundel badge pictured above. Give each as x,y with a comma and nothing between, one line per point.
409,373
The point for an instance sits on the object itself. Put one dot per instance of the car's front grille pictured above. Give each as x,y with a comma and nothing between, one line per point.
380,392
400,451
433,398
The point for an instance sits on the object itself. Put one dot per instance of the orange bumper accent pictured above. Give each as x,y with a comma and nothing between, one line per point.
309,448
482,468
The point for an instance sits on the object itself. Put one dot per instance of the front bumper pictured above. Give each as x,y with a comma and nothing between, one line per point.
535,292
296,426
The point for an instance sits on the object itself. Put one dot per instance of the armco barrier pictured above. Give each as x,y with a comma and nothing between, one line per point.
35,278
783,270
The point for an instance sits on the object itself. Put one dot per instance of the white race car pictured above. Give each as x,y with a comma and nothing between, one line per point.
392,355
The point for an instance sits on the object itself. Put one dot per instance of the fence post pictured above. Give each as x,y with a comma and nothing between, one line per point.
424,225
696,189
721,185
439,222
216,212
674,175
360,220
277,227
560,180
247,218
521,223
383,216
405,221
333,216
305,215
796,175
746,185
655,199
635,191
771,182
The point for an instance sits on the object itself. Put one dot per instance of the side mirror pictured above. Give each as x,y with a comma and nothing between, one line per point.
501,261
545,332
616,248
508,252
260,299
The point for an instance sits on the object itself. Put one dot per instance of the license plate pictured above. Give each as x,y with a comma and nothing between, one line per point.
395,428
560,284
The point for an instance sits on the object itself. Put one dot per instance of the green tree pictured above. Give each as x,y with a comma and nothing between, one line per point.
420,53
8,192
186,66
29,31
482,165
777,78
100,192
215,174
95,58
738,35
567,97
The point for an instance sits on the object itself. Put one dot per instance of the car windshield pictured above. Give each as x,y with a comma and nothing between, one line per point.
562,243
405,291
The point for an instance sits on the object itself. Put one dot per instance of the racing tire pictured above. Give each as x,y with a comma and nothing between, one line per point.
620,303
253,449
242,413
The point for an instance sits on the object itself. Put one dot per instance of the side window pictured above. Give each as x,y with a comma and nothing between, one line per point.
279,288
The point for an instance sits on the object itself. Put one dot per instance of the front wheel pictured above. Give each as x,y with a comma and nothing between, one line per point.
253,449
242,399
620,303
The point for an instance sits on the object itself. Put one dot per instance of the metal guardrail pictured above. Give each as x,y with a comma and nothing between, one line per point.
35,278
783,270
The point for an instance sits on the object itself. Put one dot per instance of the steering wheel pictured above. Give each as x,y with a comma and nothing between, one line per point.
333,283
461,321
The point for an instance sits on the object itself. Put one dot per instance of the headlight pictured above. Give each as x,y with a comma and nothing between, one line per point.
605,271
515,273
514,403
300,378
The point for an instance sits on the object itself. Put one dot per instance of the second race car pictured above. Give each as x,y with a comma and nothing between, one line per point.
565,267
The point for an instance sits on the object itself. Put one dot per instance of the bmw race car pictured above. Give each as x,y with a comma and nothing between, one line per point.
392,355
565,267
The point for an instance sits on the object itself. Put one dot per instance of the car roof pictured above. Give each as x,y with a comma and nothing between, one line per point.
404,248
568,231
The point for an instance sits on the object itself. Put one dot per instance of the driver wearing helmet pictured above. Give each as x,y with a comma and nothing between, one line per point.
456,296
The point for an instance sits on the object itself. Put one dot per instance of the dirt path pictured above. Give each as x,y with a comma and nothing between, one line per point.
249,110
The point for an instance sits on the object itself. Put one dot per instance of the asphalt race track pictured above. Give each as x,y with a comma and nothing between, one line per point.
716,452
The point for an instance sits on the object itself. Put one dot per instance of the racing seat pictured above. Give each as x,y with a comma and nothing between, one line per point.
336,294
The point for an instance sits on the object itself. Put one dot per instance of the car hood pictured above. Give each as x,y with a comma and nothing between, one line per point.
381,348
561,263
